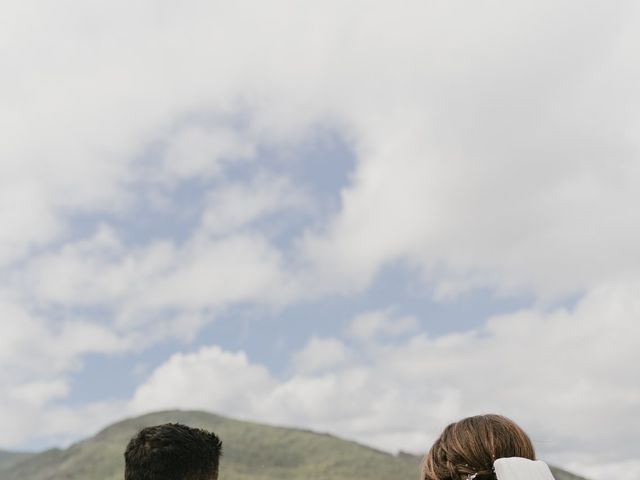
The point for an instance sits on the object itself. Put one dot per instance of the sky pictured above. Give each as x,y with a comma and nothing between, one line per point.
364,218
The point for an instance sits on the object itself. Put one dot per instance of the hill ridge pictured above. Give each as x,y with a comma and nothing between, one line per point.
252,451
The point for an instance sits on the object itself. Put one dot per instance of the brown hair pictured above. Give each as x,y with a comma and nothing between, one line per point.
471,445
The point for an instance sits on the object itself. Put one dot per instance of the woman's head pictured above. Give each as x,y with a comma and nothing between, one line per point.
471,445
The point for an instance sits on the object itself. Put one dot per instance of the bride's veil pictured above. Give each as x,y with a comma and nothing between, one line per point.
517,468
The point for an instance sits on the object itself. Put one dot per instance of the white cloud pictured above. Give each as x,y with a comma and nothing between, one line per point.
216,273
27,221
493,160
80,272
370,325
33,346
320,354
233,384
236,205
39,393
199,152
490,168
36,358
480,152
25,422
137,283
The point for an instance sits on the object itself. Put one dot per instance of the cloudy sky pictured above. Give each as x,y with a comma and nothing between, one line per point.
367,218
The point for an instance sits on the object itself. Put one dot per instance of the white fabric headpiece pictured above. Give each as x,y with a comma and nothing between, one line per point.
516,468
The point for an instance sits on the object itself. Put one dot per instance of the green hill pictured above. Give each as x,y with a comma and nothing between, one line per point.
9,459
251,452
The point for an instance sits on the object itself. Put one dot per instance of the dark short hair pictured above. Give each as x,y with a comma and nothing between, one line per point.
172,452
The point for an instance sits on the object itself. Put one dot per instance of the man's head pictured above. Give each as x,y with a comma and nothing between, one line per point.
172,452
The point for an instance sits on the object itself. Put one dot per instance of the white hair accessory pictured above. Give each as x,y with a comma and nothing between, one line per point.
516,468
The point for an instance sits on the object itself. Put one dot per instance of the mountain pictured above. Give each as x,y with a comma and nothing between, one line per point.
9,459
251,452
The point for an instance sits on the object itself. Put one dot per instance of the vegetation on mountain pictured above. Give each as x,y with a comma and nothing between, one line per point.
252,451
9,459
